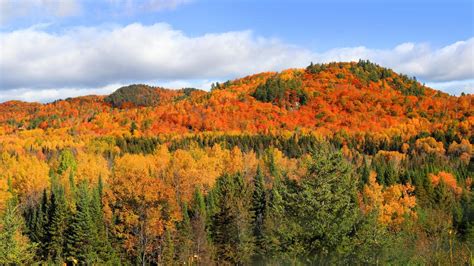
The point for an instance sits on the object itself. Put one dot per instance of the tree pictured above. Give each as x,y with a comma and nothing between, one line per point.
139,206
231,225
393,204
15,247
317,215
202,250
37,223
259,205
58,215
81,237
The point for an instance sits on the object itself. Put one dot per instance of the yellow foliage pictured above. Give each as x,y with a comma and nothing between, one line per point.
90,167
28,175
393,203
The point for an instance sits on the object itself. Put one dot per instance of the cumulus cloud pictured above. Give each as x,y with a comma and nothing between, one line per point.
452,62
93,57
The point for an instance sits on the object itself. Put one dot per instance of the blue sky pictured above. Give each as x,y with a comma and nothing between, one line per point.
58,48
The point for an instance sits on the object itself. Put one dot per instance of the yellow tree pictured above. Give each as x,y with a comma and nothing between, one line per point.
134,204
28,175
90,167
393,203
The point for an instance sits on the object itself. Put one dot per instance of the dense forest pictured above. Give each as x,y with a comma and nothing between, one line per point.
339,163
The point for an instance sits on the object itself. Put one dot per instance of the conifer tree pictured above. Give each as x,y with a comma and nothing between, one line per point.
231,227
202,247
259,205
15,247
81,234
58,215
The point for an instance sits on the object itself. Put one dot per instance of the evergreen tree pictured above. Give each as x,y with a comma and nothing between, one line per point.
81,233
184,248
258,208
15,248
202,247
167,256
101,243
58,214
371,241
318,214
231,225
37,224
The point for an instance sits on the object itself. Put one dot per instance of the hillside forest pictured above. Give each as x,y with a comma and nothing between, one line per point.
338,163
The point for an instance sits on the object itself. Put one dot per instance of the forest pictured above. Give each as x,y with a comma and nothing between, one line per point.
338,163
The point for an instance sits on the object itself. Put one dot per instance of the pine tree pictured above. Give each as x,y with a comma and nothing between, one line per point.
37,223
259,205
202,247
231,225
184,238
81,233
101,242
371,241
58,215
167,256
316,215
15,248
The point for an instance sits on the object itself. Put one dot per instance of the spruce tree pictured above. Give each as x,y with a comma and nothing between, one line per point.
15,247
37,225
231,225
81,233
101,242
259,204
315,216
202,247
58,214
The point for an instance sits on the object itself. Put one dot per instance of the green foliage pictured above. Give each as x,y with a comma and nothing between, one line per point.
58,215
15,248
135,95
317,215
231,224
81,235
66,161
259,206
316,68
282,92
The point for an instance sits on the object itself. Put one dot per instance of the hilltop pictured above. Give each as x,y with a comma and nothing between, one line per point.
323,98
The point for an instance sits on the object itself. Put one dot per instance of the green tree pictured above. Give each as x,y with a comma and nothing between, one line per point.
318,214
58,215
15,248
231,225
259,205
81,234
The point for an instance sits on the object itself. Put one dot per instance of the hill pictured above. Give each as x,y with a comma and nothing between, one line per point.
323,98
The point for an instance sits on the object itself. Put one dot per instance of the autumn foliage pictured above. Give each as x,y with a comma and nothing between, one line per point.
339,163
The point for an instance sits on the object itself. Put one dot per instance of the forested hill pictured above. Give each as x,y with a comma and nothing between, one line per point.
323,98
341,163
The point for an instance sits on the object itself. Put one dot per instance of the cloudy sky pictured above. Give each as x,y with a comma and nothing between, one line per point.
52,49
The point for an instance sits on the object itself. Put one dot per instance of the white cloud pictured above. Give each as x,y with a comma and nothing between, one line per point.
454,87
452,62
48,95
34,59
10,9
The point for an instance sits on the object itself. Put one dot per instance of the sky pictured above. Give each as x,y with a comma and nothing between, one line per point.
52,49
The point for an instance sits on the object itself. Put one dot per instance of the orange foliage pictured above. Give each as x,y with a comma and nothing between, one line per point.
448,179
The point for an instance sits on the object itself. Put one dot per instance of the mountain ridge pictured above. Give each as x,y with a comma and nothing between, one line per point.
326,98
